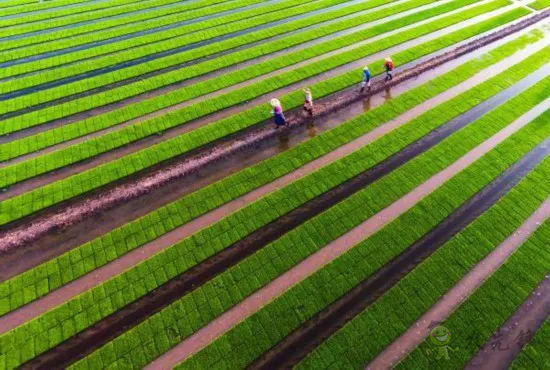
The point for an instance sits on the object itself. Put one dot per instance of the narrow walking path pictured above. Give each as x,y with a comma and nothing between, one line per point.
416,334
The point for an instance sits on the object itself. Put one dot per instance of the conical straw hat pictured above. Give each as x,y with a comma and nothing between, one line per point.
275,102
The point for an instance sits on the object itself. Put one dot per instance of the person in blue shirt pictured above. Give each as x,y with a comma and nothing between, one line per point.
366,79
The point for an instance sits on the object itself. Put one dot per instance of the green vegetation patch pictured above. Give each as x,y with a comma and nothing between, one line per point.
46,277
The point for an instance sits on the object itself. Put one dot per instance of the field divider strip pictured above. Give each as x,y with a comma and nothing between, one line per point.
534,353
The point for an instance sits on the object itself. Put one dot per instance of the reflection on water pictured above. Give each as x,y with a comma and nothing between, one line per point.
387,93
283,142
311,129
367,104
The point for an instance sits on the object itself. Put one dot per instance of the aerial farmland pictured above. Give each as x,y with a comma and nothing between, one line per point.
273,184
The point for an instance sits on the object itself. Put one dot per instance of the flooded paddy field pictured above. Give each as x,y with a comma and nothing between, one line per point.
274,184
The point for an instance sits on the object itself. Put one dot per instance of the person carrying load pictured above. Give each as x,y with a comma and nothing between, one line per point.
389,66
279,117
308,101
366,79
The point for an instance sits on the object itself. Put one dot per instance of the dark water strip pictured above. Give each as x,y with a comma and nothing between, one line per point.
297,345
115,324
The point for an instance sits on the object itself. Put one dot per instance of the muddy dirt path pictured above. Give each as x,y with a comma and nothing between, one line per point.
330,252
54,244
120,194
91,339
307,337
418,332
516,331
176,131
146,142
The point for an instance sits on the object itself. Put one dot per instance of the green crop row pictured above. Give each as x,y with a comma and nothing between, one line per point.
371,331
268,326
120,26
80,128
152,44
50,194
132,284
32,23
480,315
535,354
57,44
25,6
540,4
47,277
173,77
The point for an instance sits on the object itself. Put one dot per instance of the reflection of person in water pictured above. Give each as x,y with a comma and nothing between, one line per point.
311,130
366,104
387,93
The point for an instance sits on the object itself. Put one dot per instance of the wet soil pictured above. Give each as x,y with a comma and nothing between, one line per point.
524,322
91,339
75,215
307,337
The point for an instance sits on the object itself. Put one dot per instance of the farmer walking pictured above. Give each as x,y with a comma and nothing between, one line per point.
308,102
278,115
366,79
389,66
